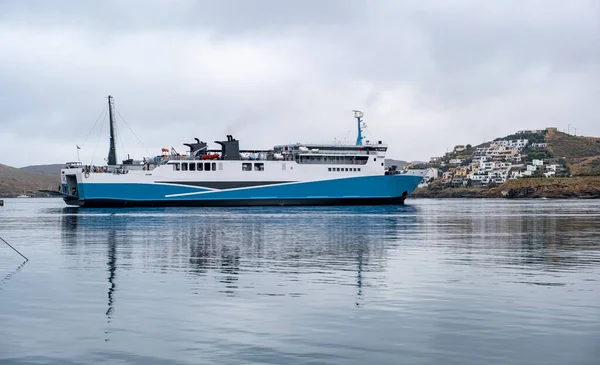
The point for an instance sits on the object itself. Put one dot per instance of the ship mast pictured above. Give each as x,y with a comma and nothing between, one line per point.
358,115
112,152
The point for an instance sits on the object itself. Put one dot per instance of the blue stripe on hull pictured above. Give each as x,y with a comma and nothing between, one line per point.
133,191
374,188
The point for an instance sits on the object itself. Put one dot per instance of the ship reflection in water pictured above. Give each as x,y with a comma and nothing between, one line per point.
466,282
226,244
232,249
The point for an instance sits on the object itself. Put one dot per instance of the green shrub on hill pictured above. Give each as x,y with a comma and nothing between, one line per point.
538,155
531,137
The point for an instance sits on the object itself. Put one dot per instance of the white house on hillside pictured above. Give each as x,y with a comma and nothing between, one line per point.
518,143
431,173
537,162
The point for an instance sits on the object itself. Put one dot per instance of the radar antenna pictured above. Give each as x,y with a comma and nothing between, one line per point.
360,125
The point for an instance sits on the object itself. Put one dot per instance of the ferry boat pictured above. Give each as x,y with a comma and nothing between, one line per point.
287,174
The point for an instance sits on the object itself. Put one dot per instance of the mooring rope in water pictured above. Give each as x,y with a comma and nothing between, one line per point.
17,251
10,275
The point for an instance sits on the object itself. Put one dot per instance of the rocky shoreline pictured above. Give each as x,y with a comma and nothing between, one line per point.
579,187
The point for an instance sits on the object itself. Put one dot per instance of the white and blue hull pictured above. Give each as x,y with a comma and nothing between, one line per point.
361,190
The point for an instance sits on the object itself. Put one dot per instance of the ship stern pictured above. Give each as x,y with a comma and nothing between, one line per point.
70,179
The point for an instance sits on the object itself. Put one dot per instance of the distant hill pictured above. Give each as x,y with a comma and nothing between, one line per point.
14,181
45,169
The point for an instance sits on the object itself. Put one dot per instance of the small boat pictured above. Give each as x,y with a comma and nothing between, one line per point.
23,196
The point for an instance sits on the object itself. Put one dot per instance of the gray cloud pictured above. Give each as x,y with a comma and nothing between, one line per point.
428,74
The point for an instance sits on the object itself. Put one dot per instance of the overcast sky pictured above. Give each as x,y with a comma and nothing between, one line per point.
427,74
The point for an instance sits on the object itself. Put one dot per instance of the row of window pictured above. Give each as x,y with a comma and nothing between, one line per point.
343,169
258,166
193,166
341,160
246,166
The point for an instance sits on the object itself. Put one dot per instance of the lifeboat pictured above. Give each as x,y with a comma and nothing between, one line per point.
210,156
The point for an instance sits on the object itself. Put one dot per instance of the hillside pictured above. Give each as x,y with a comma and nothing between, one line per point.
575,187
53,169
581,153
15,181
572,147
528,163
589,166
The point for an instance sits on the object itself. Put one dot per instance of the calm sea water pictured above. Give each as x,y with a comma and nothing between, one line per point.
432,282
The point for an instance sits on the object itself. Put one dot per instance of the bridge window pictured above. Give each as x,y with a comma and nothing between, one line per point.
207,166
200,166
176,166
184,166
259,166
192,166
329,169
214,166
246,167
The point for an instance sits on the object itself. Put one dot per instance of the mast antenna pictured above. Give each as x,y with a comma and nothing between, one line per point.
358,115
112,152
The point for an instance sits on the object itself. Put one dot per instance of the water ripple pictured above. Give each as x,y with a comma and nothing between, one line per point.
432,282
